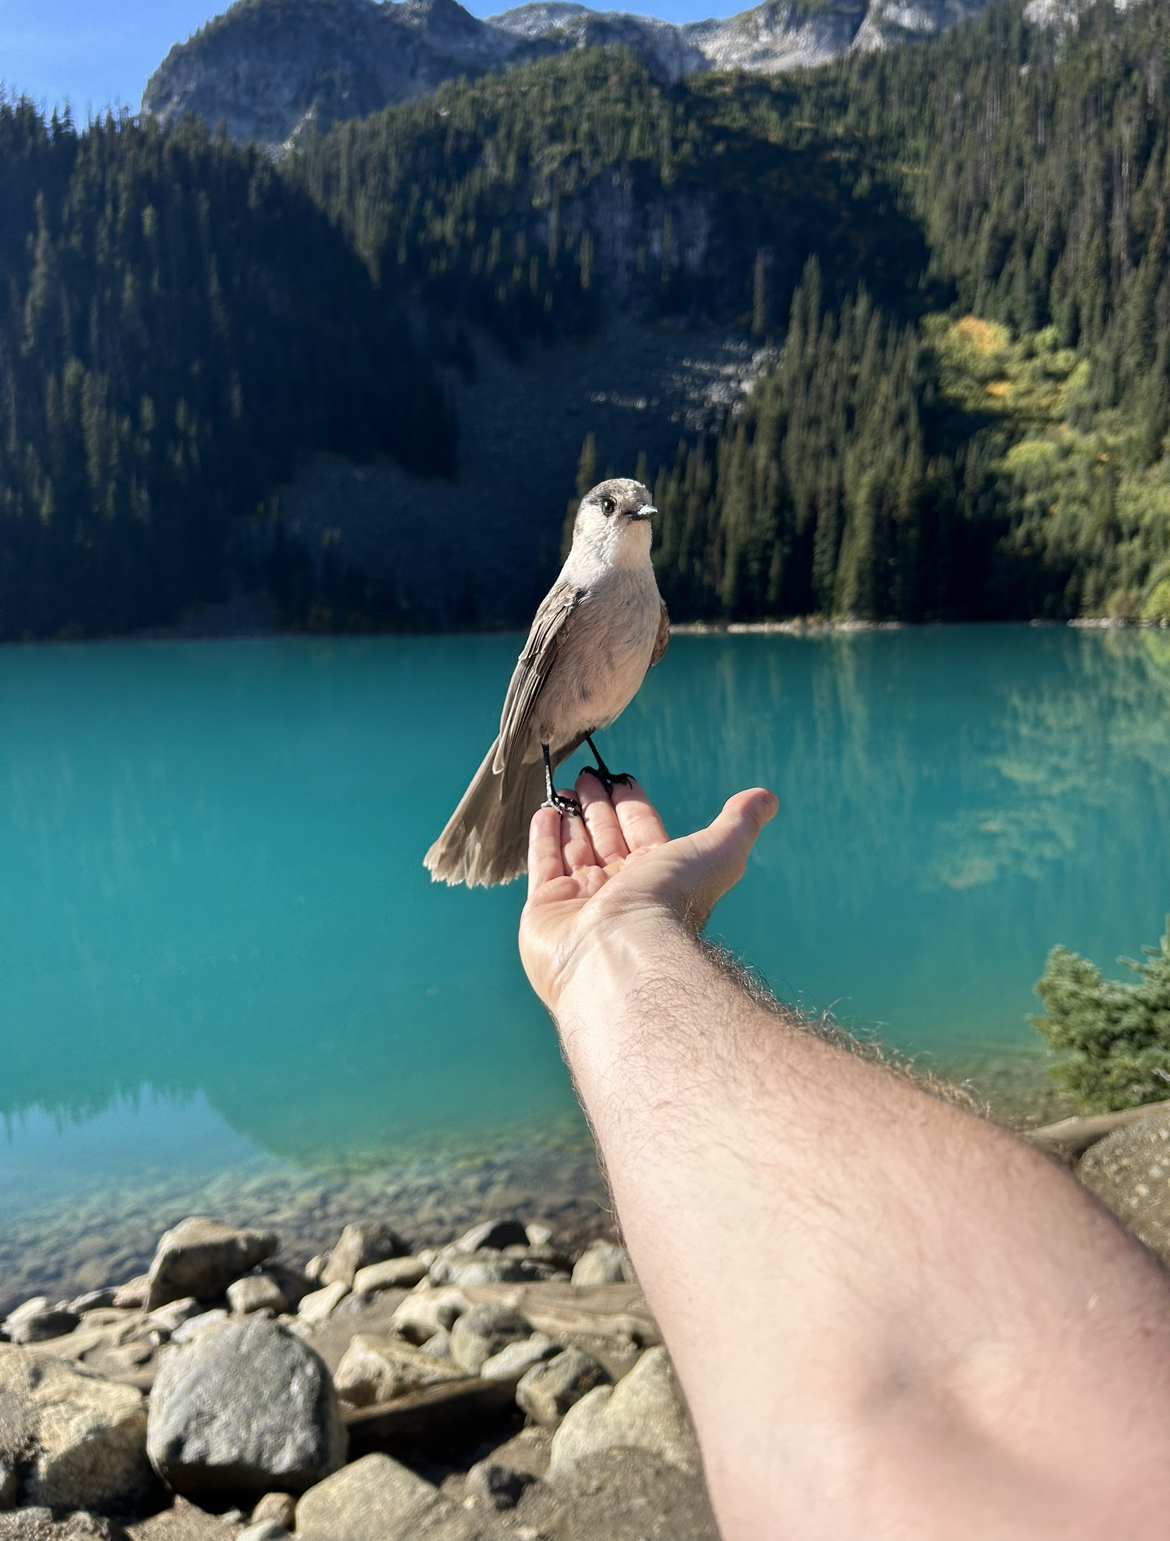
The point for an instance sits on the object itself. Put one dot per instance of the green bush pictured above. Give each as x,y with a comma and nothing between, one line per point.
1115,1037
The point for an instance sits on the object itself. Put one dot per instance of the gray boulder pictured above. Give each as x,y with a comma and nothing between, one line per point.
263,1530
547,1391
201,1257
74,1440
603,1263
483,1331
645,1411
242,1410
359,1247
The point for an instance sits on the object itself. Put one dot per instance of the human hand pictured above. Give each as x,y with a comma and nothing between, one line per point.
586,877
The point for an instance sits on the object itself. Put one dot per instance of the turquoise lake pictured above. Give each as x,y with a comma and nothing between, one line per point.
217,941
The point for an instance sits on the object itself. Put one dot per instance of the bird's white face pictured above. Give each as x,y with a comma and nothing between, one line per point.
613,523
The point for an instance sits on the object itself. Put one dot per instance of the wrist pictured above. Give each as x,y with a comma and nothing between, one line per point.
612,957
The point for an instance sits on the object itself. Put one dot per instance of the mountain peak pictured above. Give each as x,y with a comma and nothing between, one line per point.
268,69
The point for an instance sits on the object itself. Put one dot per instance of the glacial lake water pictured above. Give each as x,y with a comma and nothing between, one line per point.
218,946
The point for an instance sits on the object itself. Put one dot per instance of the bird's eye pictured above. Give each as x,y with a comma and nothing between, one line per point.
607,506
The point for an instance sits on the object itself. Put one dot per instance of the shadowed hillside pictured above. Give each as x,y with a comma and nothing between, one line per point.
891,338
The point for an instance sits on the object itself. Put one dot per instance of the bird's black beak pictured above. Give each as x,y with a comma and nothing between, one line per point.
644,512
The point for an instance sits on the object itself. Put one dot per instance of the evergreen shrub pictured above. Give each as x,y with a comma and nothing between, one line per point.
1115,1038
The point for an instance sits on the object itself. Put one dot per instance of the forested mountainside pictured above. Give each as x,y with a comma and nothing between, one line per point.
1019,453
270,70
953,256
180,326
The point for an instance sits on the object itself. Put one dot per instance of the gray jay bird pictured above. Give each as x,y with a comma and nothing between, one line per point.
599,628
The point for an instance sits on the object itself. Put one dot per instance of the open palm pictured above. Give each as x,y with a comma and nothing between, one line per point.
588,874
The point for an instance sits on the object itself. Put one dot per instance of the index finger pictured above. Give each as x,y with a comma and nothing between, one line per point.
604,829
638,817
545,858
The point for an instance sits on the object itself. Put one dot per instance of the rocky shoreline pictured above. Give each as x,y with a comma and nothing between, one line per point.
499,1385
68,1244
509,1382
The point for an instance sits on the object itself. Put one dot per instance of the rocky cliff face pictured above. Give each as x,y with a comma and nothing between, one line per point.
269,69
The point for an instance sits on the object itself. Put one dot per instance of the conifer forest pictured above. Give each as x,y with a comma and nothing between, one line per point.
954,258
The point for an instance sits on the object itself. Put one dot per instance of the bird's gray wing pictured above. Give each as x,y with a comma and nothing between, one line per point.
663,637
532,669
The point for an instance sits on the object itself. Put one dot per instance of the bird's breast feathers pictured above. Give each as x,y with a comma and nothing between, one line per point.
615,627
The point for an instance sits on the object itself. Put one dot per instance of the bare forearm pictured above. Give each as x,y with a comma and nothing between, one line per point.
843,1266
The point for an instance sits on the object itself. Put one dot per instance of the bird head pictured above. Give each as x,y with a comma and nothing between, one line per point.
614,518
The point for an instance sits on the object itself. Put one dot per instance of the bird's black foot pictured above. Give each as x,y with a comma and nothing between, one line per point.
553,799
609,779
563,804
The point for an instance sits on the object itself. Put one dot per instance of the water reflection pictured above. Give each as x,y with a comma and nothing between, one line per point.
212,882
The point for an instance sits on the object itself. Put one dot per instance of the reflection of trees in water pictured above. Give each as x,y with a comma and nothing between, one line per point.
925,778
1068,749
868,739
952,802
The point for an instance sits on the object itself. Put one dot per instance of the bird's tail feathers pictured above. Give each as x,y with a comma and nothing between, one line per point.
486,838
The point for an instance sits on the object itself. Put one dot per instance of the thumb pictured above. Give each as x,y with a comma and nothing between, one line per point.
723,849
744,816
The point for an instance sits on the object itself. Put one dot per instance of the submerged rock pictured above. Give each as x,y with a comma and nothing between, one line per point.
201,1258
77,1441
243,1410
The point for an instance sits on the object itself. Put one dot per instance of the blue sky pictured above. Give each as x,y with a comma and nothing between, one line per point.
97,53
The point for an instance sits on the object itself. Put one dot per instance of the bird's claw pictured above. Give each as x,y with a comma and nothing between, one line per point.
563,805
610,779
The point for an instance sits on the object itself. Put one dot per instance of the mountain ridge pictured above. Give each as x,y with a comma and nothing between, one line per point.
272,70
